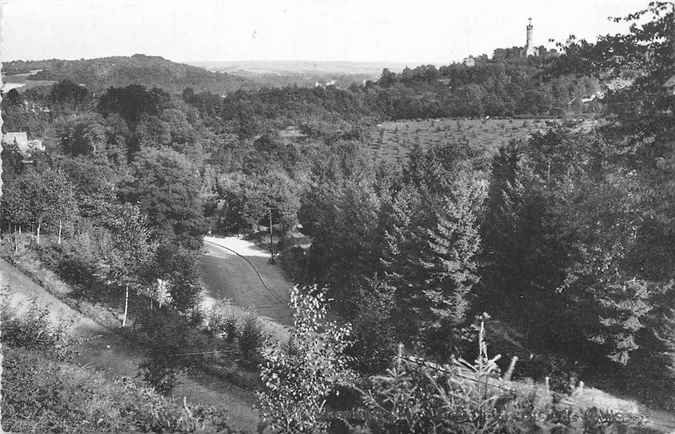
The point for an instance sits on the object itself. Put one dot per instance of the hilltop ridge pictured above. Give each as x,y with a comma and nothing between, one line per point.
118,71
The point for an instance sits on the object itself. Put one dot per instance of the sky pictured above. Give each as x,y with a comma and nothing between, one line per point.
415,31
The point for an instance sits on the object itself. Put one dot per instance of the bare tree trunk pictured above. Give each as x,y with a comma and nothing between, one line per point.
126,306
60,225
38,233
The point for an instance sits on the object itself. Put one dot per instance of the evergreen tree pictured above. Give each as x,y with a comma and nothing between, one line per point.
499,230
452,269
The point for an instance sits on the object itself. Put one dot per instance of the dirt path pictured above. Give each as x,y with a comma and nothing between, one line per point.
238,270
112,354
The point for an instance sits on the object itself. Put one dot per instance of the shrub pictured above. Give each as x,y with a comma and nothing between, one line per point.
222,320
40,395
230,328
374,335
169,341
75,263
32,330
462,397
251,339
299,377
294,261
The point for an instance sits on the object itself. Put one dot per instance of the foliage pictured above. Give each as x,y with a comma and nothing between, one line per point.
40,395
168,342
100,74
222,320
93,181
36,199
251,338
453,270
32,330
340,213
374,330
462,397
166,187
299,377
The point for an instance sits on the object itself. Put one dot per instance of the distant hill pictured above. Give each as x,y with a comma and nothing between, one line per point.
303,73
284,67
149,71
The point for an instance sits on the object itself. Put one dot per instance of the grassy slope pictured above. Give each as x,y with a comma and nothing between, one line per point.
73,398
393,140
113,355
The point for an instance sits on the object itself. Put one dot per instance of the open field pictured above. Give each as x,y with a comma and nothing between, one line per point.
393,140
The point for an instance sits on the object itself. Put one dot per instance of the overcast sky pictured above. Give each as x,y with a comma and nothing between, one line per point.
433,31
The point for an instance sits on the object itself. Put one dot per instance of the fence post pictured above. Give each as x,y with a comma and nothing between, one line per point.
399,356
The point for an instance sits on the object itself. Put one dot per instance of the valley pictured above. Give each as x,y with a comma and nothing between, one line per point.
478,245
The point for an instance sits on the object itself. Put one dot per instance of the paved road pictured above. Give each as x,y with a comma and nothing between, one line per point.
236,269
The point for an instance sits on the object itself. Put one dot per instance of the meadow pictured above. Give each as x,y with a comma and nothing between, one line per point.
392,141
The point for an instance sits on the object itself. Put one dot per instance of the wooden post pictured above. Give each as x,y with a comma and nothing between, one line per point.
399,356
271,240
512,367
126,306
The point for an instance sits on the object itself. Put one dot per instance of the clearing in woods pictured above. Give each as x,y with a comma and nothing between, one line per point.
392,141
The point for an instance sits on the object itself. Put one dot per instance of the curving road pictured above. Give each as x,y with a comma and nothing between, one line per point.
238,270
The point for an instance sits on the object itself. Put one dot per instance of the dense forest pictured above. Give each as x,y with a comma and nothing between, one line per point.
560,248
149,71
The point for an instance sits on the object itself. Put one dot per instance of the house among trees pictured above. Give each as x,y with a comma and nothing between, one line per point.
469,61
26,147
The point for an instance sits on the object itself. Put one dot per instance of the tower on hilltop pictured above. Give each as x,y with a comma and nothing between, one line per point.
529,49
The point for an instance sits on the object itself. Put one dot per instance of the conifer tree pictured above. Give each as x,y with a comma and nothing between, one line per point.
500,227
451,266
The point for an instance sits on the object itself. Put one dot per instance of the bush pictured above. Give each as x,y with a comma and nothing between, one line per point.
251,339
40,395
294,261
222,320
230,328
374,336
169,342
462,397
33,331
300,377
74,262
